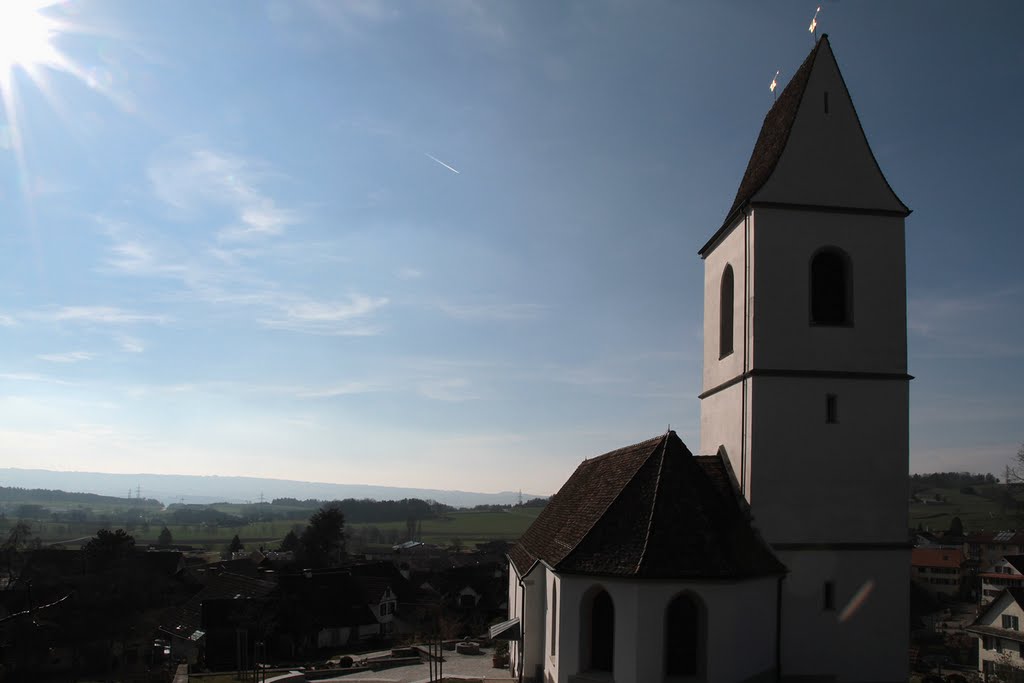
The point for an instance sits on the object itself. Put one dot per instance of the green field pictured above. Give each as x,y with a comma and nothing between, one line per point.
468,527
989,509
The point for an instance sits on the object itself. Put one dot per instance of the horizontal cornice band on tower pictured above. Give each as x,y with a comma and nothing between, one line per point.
807,374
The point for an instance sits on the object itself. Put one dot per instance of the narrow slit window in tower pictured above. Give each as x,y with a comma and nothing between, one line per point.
831,409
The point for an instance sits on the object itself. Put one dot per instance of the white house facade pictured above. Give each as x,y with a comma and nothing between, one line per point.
1000,639
1008,572
792,538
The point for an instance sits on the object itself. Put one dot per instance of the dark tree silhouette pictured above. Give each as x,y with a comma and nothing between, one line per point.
165,537
323,541
236,545
19,536
956,527
290,542
108,547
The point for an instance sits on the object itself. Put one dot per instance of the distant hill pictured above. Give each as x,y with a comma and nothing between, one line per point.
173,488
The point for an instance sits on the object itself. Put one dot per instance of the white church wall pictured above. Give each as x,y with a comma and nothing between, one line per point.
553,622
784,338
527,601
640,627
814,482
859,638
721,424
722,413
515,611
729,251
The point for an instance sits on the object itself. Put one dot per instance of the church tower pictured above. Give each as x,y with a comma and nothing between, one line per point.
805,384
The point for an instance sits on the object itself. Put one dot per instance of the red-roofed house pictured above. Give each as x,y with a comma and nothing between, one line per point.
937,569
1008,572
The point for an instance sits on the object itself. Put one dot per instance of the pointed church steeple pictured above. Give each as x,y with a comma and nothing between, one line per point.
805,384
812,150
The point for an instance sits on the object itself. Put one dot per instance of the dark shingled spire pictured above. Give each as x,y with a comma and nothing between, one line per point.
777,133
778,123
650,510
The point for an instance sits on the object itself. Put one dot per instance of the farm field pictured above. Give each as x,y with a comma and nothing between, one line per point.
984,507
468,527
990,508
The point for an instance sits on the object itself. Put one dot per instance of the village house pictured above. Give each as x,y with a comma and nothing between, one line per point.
187,627
761,559
938,570
1000,639
987,548
1008,572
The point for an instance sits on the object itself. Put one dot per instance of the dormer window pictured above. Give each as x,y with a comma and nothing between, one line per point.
831,288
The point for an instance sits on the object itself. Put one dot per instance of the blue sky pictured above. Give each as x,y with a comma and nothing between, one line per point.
225,247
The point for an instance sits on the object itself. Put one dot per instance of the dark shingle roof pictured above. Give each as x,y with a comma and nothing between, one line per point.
650,510
774,136
778,123
771,141
186,620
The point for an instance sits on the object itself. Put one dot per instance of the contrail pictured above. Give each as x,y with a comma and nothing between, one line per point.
443,164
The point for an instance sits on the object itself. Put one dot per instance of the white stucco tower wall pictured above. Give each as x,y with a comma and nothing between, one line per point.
812,408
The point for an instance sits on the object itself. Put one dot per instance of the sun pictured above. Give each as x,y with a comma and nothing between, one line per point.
27,34
26,37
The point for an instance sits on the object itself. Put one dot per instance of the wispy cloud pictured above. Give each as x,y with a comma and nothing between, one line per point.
224,278
197,178
344,389
345,318
108,315
131,344
499,312
7,321
452,389
32,377
408,273
68,357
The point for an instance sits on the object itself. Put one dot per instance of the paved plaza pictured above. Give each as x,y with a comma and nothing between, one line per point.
456,667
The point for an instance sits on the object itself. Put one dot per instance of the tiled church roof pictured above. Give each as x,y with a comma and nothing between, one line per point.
650,510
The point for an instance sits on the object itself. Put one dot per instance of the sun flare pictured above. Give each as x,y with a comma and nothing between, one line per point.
27,34
26,37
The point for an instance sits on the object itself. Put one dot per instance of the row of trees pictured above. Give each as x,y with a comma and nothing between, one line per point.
16,494
360,511
949,480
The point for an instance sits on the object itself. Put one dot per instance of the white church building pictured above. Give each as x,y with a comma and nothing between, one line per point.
782,554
